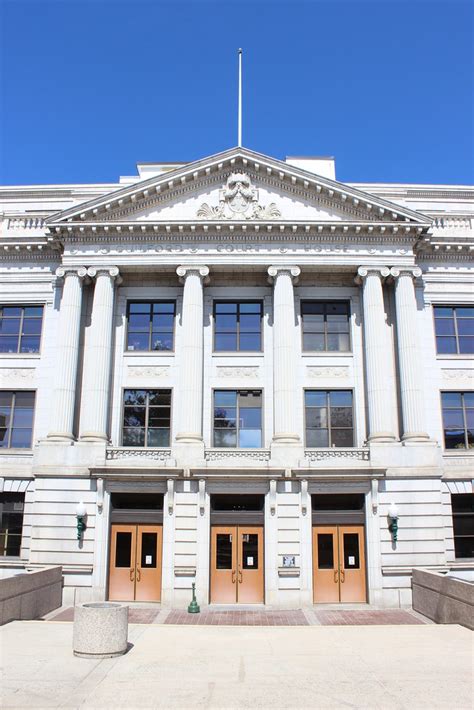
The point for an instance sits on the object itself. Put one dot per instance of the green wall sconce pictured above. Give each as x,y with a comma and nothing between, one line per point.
393,517
81,514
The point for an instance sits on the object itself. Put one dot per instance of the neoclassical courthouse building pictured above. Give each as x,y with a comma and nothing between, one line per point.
254,377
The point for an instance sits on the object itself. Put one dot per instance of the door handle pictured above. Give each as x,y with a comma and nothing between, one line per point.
240,576
336,578
343,576
131,575
138,574
233,576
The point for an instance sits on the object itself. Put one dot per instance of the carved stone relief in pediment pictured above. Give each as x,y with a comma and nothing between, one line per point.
238,200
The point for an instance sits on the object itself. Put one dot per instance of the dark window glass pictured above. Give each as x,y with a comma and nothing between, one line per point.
237,502
123,549
463,524
20,329
149,545
458,419
454,329
223,551
325,326
351,551
146,418
238,326
238,419
151,325
250,551
329,418
16,419
325,551
11,523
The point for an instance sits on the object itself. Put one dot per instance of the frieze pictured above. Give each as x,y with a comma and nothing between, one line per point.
160,455
459,374
245,372
16,373
226,455
148,371
335,371
327,454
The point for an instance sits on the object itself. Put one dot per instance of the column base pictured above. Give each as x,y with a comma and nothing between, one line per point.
285,451
415,436
381,437
93,436
61,436
188,438
286,438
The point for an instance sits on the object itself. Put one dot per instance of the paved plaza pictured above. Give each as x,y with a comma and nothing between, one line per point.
403,666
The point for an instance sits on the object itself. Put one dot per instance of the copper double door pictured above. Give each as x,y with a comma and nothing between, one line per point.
339,564
135,563
237,564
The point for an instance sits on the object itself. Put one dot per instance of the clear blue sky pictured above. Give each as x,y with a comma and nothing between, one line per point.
90,87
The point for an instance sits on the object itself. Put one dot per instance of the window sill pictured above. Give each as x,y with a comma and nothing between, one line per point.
448,453
455,356
149,353
327,353
16,452
237,353
17,356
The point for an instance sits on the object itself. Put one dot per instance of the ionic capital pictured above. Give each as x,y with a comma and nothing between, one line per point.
185,270
111,271
63,271
364,271
292,271
413,271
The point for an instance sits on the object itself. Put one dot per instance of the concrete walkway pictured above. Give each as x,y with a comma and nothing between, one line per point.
420,666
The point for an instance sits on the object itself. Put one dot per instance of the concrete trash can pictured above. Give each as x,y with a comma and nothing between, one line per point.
100,630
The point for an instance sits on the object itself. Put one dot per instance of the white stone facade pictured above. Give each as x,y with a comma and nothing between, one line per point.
238,226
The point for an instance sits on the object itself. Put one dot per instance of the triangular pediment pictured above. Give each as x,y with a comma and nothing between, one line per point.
237,185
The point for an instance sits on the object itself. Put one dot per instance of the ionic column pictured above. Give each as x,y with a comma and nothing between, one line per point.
376,354
284,358
65,374
408,353
98,356
191,355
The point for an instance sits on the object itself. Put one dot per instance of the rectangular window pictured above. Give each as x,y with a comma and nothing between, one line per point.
16,419
146,418
11,523
150,325
325,326
463,524
329,418
458,419
20,329
454,328
238,419
237,326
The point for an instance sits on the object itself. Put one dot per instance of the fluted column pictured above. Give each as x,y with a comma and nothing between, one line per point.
284,357
191,356
65,374
98,356
376,354
408,354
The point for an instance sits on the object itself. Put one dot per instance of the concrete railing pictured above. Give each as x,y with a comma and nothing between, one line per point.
443,598
29,595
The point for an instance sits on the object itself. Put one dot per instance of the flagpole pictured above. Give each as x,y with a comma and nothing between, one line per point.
239,132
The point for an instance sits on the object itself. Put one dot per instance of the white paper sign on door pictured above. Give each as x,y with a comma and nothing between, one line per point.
352,561
148,559
250,561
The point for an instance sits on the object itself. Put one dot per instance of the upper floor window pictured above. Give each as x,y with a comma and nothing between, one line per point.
16,419
11,523
329,418
238,326
238,418
463,524
150,325
325,326
146,418
458,419
20,329
454,328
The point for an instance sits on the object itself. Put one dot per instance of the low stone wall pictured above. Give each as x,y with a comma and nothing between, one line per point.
30,595
442,598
